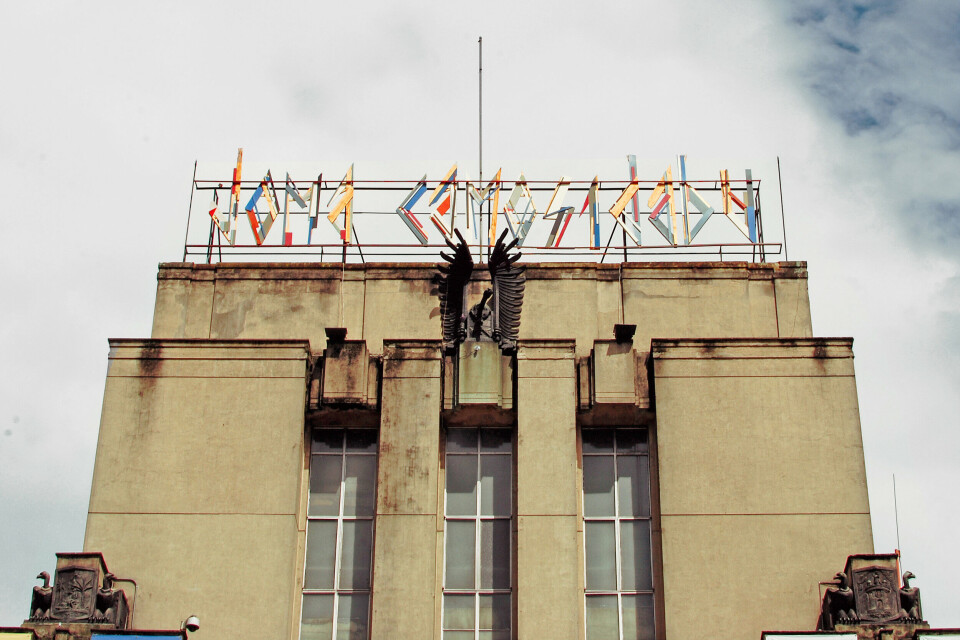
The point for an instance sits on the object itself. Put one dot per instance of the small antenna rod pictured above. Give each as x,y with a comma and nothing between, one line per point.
896,515
783,221
480,45
480,141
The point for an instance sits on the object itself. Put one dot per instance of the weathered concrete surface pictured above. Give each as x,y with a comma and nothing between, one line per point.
201,457
236,572
762,480
562,301
346,374
619,374
197,481
484,375
715,564
548,587
406,585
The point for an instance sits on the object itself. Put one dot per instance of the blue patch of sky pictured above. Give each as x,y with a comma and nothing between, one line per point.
858,120
888,72
846,46
868,82
944,216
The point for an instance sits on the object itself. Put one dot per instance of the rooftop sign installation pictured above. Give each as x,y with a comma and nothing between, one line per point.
266,214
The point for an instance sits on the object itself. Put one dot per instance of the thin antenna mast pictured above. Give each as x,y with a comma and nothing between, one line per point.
783,221
896,519
480,136
186,235
896,514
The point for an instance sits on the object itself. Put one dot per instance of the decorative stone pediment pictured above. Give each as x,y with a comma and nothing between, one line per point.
82,593
868,597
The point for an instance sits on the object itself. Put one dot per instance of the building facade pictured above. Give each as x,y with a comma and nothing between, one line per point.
696,479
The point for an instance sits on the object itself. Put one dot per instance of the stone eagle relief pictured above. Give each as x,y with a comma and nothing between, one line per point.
76,598
872,597
496,320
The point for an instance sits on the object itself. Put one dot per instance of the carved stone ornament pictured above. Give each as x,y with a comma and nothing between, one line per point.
74,595
877,592
42,599
910,599
869,593
839,605
82,593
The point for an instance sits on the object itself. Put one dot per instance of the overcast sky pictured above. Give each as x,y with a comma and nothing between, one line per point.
106,105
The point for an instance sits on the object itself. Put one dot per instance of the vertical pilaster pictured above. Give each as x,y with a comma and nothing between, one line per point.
548,567
405,548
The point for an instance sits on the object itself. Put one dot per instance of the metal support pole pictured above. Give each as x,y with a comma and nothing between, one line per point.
186,235
359,245
623,217
480,144
609,240
210,242
783,221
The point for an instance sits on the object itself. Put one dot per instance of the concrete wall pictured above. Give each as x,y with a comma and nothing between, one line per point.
199,489
762,480
562,301
197,482
409,521
549,583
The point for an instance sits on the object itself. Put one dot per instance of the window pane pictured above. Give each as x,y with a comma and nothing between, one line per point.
458,612
462,485
316,619
495,554
631,440
503,634
355,554
638,617
495,611
601,555
635,555
597,440
352,617
598,486
461,440
633,486
495,491
362,440
458,635
327,440
324,485
602,621
461,550
358,485
497,440
321,554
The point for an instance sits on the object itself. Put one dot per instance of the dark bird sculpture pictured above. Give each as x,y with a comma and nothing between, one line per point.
452,281
910,599
839,605
497,322
111,607
42,598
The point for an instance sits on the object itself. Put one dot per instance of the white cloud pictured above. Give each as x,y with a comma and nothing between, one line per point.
107,107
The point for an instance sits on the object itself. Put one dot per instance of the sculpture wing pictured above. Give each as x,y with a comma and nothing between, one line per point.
508,285
452,281
41,602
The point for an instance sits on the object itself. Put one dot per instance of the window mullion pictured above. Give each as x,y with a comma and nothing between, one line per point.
476,550
339,540
616,536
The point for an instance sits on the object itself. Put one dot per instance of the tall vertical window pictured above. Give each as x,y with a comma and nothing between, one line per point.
478,514
616,513
336,580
